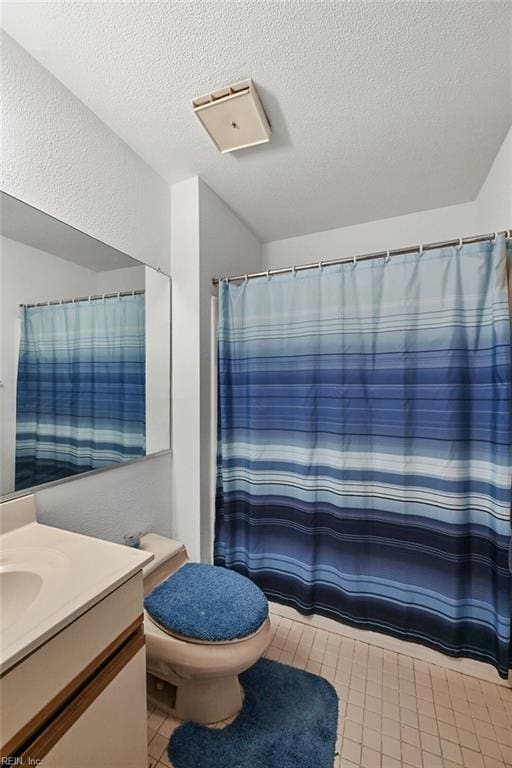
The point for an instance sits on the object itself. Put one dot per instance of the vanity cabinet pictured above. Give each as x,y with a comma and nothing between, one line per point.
110,729
80,699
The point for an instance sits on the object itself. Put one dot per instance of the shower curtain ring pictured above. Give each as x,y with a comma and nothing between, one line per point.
420,250
294,270
387,257
354,260
246,277
268,274
320,265
493,241
460,244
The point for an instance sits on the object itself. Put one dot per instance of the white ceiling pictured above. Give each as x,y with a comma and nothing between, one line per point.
377,109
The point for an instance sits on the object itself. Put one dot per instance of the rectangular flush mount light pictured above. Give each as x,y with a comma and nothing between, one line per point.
234,117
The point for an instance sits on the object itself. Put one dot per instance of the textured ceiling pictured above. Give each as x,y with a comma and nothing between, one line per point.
377,109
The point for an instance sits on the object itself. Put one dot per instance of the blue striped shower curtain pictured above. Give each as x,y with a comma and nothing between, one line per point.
81,388
364,458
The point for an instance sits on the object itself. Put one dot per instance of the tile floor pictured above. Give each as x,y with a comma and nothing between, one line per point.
395,711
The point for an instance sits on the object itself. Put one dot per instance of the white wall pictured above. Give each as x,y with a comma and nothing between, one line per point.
398,232
226,246
185,272
59,157
158,360
127,499
208,240
494,201
112,280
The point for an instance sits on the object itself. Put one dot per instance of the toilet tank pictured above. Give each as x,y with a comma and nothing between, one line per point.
169,555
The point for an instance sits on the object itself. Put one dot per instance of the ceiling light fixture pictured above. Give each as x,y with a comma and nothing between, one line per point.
234,117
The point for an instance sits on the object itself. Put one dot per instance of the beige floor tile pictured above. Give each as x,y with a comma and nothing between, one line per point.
157,745
489,762
469,740
156,719
486,730
355,713
391,747
390,762
448,732
164,760
431,761
353,731
391,727
371,739
410,735
472,759
490,748
412,756
168,726
408,717
430,743
370,758
451,751
351,750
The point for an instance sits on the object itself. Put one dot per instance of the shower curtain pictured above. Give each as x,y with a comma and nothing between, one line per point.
364,452
81,388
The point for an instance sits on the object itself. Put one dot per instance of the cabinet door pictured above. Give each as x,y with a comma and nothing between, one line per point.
111,733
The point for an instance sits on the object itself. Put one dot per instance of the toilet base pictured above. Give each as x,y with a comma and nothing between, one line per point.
209,701
160,694
205,701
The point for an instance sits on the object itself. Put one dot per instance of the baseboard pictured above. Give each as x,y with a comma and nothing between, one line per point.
465,666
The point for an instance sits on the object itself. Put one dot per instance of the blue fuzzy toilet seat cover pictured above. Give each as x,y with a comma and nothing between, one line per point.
207,603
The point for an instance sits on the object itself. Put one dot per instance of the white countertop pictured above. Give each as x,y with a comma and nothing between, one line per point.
50,577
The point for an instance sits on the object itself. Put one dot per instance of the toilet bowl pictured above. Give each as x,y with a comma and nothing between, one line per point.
189,678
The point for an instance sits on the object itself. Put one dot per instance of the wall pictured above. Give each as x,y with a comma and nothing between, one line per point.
400,231
62,159
491,211
158,360
185,421
207,240
226,246
494,201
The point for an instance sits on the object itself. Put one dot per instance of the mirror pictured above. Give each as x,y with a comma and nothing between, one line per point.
84,356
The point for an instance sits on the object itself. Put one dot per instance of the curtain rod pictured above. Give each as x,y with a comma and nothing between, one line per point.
460,241
95,297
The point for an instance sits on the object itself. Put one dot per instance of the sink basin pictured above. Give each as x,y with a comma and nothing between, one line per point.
28,575
49,577
18,590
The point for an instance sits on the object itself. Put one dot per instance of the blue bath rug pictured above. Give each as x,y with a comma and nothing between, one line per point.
289,720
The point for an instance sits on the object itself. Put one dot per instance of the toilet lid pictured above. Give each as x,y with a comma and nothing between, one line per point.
209,603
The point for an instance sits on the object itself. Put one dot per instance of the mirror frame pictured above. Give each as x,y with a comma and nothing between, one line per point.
69,229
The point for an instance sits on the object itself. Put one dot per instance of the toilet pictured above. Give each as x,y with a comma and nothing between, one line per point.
189,677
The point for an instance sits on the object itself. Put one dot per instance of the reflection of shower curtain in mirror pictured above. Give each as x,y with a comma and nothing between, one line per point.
81,388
